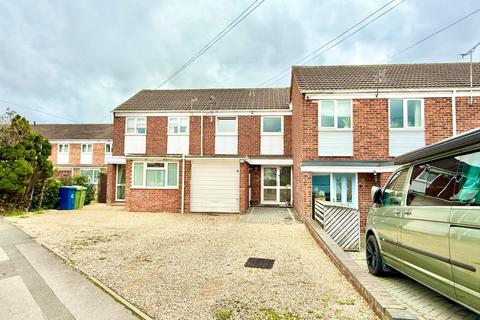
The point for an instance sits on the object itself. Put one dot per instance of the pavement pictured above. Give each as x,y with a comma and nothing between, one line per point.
270,215
418,299
35,284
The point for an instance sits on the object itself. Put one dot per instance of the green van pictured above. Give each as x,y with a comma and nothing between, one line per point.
425,222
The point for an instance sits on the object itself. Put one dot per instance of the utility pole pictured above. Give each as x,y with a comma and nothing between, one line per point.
470,53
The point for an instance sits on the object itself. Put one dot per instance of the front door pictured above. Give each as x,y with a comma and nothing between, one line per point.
276,185
344,189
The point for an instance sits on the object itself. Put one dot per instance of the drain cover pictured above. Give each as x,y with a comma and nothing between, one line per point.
259,263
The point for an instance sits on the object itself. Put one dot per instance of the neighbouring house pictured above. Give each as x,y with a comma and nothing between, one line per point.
350,121
205,150
78,149
331,136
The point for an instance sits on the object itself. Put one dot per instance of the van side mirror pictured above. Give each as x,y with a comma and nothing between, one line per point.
376,195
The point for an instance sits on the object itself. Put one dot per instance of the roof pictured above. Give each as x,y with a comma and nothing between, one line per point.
74,131
393,76
460,142
208,99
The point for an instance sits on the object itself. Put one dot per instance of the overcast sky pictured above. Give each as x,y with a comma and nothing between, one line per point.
79,59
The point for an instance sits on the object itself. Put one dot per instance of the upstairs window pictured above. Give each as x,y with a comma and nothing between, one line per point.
272,125
63,148
155,174
108,148
406,114
335,114
136,125
226,125
87,148
177,125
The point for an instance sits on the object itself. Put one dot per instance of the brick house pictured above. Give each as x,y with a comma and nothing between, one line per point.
206,150
350,121
78,148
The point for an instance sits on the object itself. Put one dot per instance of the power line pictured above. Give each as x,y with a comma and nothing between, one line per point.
433,34
245,13
8,103
337,37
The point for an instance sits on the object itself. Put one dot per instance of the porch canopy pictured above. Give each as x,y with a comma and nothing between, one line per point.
347,166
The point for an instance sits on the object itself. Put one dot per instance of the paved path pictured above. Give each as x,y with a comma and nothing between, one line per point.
270,215
34,284
419,300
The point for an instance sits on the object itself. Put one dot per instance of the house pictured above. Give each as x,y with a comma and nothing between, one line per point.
350,121
78,149
331,135
205,150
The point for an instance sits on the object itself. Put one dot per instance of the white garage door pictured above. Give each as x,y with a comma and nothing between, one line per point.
215,186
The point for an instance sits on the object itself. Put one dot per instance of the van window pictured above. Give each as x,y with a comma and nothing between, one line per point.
468,190
393,191
434,183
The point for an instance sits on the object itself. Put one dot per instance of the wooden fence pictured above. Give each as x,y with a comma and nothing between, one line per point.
340,222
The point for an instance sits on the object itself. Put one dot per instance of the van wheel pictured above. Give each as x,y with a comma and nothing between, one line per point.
374,257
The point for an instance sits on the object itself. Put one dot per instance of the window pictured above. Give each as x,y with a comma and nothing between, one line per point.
63,148
433,183
335,114
155,174
272,125
226,125
393,191
108,148
87,148
406,113
467,191
92,174
177,125
136,125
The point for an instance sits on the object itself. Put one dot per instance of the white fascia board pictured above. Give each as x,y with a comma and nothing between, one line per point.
152,158
116,160
270,162
392,93
79,141
347,169
176,113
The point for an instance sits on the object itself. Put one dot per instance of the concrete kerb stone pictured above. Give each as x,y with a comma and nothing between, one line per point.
135,310
381,302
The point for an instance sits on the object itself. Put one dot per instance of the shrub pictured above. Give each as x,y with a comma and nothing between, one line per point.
50,195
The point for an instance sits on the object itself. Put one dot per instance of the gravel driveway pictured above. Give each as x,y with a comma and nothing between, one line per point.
191,266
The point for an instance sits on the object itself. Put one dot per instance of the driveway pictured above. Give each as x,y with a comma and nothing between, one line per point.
191,266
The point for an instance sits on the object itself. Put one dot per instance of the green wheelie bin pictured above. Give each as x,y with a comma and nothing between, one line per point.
80,196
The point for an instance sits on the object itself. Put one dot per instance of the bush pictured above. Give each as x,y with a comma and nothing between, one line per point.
51,195
80,181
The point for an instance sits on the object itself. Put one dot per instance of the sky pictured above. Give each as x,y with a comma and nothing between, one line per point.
75,61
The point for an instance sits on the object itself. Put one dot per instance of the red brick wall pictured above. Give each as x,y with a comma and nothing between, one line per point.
152,200
255,184
74,153
98,154
157,135
365,183
208,135
249,135
438,119
195,136
468,116
118,136
244,190
111,183
287,136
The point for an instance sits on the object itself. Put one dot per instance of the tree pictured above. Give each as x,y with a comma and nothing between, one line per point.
24,164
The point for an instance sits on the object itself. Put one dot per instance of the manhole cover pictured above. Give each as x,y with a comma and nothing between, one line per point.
259,263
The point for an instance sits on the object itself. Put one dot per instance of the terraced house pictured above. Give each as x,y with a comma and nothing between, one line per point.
332,136
78,149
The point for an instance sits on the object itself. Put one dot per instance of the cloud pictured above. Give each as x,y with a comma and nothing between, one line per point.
79,60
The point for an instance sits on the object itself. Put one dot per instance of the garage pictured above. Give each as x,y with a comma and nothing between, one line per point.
215,186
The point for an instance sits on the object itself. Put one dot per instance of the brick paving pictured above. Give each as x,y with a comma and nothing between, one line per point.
418,299
271,215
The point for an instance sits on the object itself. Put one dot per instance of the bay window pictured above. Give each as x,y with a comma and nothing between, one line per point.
155,174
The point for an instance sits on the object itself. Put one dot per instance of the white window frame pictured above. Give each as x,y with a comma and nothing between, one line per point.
108,144
226,133
64,145
144,178
186,133
277,187
335,116
95,177
405,114
272,133
119,184
333,195
86,144
135,127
